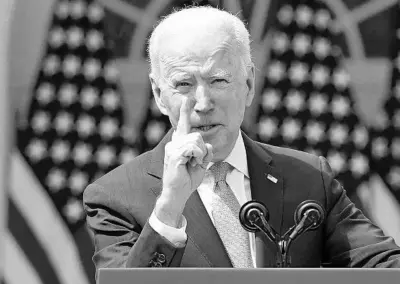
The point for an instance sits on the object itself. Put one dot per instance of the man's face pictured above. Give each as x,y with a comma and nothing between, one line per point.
206,69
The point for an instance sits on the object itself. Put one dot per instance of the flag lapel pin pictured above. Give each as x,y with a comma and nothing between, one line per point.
272,178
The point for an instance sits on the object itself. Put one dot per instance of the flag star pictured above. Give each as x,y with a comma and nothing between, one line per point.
86,125
394,177
285,15
36,150
276,71
56,37
340,78
338,134
71,65
381,120
108,128
105,156
110,100
73,210
77,182
322,19
62,9
318,103
280,42
45,93
337,161
314,131
51,65
154,131
56,180
360,136
77,9
298,72
111,71
359,164
91,68
60,151
94,40
95,12
127,154
82,153
270,99
395,148
89,97
267,127
63,122
40,122
303,16
322,47
291,129
379,147
319,75
68,94
340,106
294,101
75,37
301,44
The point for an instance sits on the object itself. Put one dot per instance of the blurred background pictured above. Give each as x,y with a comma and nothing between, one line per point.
77,102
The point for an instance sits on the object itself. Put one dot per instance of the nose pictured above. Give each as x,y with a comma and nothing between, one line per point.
203,101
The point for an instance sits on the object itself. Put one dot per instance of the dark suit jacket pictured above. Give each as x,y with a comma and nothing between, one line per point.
119,204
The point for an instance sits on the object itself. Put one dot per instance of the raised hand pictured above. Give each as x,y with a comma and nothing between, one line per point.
185,162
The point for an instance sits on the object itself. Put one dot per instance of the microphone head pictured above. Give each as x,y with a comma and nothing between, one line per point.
250,212
315,212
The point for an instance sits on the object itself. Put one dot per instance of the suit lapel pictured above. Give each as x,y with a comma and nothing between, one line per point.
200,229
266,184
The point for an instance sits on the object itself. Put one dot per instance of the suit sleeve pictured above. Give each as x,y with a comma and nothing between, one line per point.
119,240
351,239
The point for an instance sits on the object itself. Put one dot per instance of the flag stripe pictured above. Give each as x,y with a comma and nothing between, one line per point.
30,246
84,245
18,269
31,199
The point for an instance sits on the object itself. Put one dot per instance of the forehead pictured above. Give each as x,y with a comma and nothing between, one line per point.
208,51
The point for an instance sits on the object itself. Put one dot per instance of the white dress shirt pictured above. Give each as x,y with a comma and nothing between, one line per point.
237,179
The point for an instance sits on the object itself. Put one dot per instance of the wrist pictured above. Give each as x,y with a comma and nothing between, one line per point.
169,211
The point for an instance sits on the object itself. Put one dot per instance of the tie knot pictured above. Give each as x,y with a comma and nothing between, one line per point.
219,170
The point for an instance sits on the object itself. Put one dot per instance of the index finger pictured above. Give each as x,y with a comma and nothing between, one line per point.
183,126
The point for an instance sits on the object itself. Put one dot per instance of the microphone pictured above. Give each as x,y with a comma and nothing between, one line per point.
309,215
254,216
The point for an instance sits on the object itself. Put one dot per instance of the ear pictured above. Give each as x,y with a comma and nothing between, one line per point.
157,94
250,83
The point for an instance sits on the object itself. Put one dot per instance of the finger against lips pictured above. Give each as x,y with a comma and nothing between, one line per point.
183,126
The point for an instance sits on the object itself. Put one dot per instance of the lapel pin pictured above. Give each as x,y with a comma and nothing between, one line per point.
272,178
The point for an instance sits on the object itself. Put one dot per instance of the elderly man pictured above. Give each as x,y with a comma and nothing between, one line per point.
178,204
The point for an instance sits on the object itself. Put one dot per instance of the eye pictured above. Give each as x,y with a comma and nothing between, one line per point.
219,81
182,84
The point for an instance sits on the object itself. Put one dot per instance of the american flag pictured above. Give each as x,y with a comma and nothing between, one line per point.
306,102
75,134
385,150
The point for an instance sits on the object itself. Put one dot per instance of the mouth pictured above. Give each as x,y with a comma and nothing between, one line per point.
205,128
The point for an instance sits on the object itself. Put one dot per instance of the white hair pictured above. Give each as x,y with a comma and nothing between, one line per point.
194,15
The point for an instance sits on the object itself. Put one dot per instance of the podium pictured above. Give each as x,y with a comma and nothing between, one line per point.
249,276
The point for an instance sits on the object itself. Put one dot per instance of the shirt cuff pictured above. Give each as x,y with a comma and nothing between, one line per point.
177,236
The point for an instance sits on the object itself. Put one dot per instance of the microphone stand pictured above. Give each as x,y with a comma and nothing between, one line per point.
282,243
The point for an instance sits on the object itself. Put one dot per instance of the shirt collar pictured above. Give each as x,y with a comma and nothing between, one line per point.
237,158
